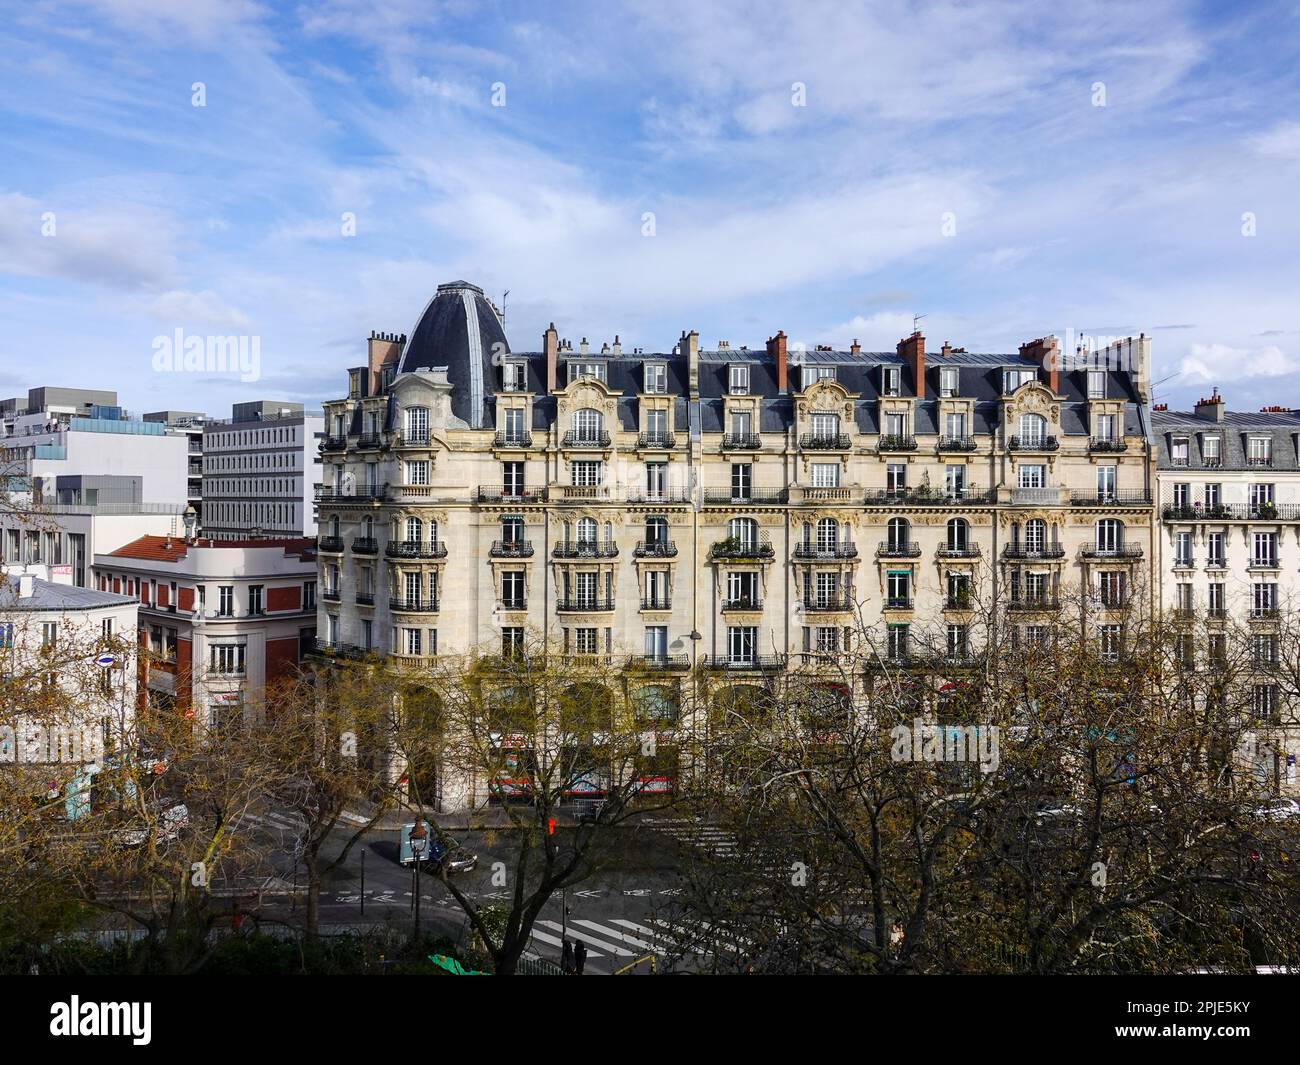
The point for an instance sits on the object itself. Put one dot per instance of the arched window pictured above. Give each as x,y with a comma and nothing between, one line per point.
1035,535
828,534
745,530
1110,534
1033,430
899,534
586,530
587,424
958,535
656,704
413,530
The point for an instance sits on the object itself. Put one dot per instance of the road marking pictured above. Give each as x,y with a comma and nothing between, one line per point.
574,933
559,942
614,933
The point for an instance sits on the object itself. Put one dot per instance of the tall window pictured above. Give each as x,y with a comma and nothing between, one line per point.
1032,430
745,531
825,426
1110,535
656,378
958,534
587,425
898,533
738,380
948,380
742,643
417,424
585,474
890,380
1106,477
1033,475
828,534
826,474
1036,535
742,480
1096,384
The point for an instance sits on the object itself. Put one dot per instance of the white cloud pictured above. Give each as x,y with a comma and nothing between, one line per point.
1280,142
197,308
1221,362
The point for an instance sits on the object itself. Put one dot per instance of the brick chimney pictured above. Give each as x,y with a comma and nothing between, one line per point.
855,347
551,345
913,350
776,348
689,346
385,350
1046,353
946,350
1210,409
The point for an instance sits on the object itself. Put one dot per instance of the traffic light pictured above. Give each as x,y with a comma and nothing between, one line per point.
550,826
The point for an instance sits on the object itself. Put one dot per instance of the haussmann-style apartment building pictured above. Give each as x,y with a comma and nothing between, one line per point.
738,509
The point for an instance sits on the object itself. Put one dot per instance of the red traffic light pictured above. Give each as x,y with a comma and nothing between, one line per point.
550,826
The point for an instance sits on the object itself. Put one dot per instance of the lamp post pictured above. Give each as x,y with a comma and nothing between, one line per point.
419,844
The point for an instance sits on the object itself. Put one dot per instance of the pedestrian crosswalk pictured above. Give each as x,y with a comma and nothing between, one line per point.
699,834
274,822
618,938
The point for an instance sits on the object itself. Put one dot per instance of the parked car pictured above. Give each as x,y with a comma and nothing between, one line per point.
1278,810
171,820
441,852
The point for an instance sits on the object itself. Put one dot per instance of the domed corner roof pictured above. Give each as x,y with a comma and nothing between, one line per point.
459,329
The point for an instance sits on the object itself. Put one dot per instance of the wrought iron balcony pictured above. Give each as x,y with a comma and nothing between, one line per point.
655,549
957,443
365,599
585,549
329,545
335,647
741,442
1106,443
584,604
511,549
743,602
1120,551
662,495
1123,498
656,663
514,603
416,549
810,552
898,602
825,442
512,440
344,494
1034,602
411,438
365,545
827,604
599,439
896,442
732,548
509,494
660,441
745,663
963,497
898,549
1021,552
656,602
370,440
329,596
1047,442
740,497
966,551
334,443
414,606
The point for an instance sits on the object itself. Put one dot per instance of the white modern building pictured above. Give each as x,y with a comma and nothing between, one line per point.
260,471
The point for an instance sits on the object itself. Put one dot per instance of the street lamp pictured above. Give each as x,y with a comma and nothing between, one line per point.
419,843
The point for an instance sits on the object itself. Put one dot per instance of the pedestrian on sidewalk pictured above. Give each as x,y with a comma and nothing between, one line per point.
579,957
566,958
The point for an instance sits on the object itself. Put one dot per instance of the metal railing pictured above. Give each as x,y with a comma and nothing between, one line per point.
810,552
511,549
741,549
330,545
898,549
512,440
741,442
584,603
827,604
656,602
751,663
572,439
1027,552
825,442
416,549
957,443
365,545
1106,443
896,442
1046,442
585,549
758,496
660,441
655,549
1125,497
509,494
743,602
414,606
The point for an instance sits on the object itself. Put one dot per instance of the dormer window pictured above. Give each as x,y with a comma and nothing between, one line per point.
949,377
656,379
891,381
813,374
1096,384
1211,450
1259,451
1179,452
354,384
593,370
738,381
1013,379
513,377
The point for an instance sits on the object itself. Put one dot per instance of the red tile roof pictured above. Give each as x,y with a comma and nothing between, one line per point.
174,548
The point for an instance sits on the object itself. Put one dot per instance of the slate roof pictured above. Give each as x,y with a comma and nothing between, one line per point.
1282,427
47,595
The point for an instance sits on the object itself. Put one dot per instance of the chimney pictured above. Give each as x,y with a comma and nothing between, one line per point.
913,350
689,346
551,345
583,348
618,345
1210,409
385,348
776,348
1045,351
855,347
946,350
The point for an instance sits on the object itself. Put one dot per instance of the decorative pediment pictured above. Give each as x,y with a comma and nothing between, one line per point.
1034,398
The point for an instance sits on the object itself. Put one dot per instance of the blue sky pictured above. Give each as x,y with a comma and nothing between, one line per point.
826,220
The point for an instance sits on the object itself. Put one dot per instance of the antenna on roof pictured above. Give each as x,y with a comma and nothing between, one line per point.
916,323
503,305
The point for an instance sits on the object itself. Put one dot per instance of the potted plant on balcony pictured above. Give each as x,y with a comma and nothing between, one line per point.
728,546
1267,509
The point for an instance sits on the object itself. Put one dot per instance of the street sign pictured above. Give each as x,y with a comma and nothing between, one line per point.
105,660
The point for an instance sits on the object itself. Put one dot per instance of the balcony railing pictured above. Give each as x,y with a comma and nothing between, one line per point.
334,443
965,551
365,545
898,549
1106,443
365,599
655,549
825,442
662,495
344,494
656,441
1035,497
326,594
893,497
584,603
1127,497
656,602
513,440
411,437
743,602
957,443
414,606
1259,460
335,647
668,663
1095,550
896,442
732,548
509,494
898,602
1033,443
330,545
741,442
585,549
742,663
1232,512
1032,552
810,552
598,439
416,549
1034,602
827,604
511,549
740,497
514,603
369,440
